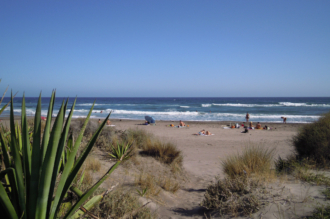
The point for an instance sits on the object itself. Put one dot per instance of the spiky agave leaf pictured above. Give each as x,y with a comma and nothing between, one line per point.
6,205
32,183
122,152
17,164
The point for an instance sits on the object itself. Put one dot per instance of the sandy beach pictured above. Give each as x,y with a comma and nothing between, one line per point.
202,162
203,154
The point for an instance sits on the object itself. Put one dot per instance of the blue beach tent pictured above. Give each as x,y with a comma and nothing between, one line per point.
150,119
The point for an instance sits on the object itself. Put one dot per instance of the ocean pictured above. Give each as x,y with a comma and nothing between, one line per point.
271,109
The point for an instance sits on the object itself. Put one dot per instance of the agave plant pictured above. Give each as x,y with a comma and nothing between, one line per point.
27,186
4,107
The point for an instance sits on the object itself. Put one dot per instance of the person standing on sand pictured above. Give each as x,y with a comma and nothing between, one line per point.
247,117
284,119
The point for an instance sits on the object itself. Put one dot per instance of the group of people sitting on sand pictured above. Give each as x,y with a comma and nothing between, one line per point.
258,126
108,122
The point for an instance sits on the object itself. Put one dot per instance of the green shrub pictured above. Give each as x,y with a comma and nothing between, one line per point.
321,213
327,193
313,141
285,165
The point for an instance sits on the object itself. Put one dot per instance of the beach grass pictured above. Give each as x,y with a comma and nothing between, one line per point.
154,183
93,164
255,159
148,181
166,153
304,170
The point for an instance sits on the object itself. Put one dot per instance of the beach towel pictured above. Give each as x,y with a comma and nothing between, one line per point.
226,127
180,126
110,125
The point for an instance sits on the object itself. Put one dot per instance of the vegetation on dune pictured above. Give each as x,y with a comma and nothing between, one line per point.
232,196
122,204
4,107
164,152
313,141
301,169
256,160
321,213
39,171
140,140
238,193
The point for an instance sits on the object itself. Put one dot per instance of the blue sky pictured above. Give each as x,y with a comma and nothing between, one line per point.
166,48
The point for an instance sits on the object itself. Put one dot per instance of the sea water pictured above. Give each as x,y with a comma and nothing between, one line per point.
297,110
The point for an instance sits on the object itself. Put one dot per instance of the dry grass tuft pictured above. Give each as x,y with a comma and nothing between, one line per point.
146,180
164,152
168,184
121,204
137,137
255,160
155,183
93,164
232,196
83,180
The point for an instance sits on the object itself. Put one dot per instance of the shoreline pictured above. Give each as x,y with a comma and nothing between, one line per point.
174,121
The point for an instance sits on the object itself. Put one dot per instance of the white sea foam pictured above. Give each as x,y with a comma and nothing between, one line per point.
90,104
106,104
245,105
206,105
280,104
153,112
266,116
303,104
185,106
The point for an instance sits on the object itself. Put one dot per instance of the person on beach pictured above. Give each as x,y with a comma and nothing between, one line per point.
245,131
258,126
208,133
182,123
247,117
251,125
100,121
108,122
284,119
202,132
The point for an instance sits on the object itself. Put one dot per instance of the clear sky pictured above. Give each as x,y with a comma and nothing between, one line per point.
164,48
